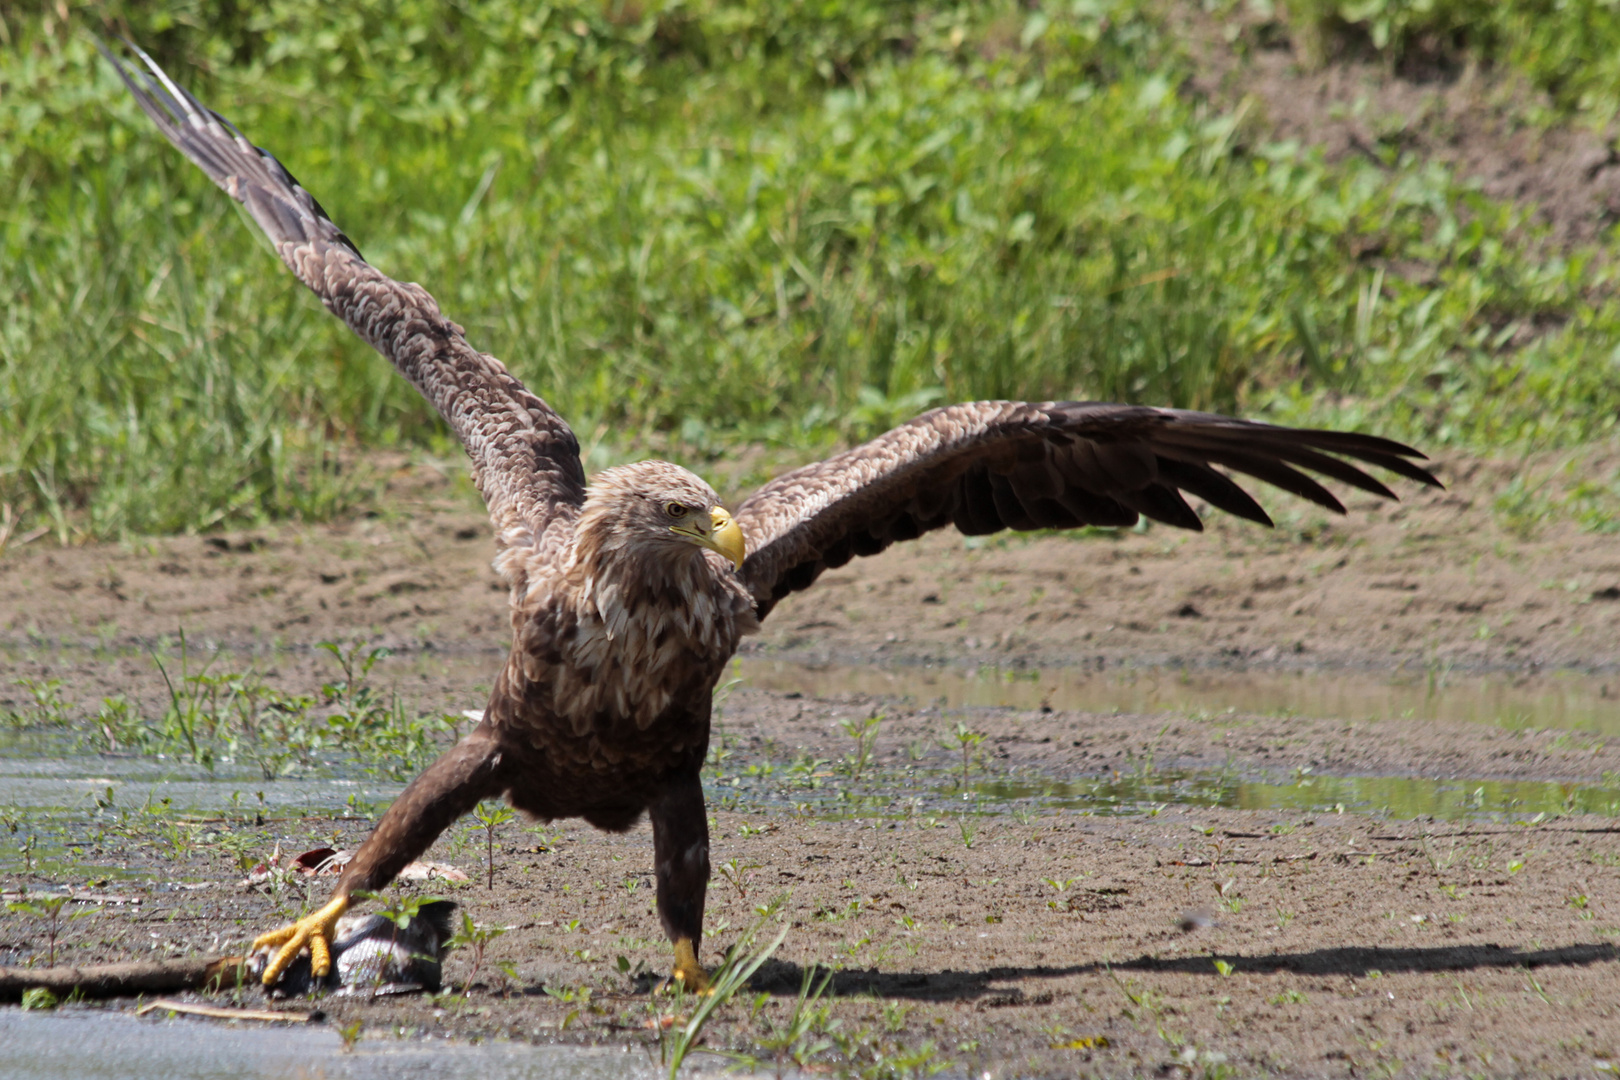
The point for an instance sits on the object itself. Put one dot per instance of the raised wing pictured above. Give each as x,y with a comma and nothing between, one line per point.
525,457
992,465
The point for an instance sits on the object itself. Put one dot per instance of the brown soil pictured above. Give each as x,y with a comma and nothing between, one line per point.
1032,942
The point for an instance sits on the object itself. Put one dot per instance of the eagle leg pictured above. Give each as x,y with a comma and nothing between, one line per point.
681,865
466,774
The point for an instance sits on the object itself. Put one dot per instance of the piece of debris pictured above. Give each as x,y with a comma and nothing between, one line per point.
217,1013
421,871
1197,919
327,861
321,860
73,895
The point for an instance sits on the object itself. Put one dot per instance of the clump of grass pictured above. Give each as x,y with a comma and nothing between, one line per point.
742,960
47,708
232,716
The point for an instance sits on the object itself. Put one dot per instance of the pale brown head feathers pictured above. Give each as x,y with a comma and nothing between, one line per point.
654,512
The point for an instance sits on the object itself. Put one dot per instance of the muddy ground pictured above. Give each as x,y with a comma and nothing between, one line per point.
1009,936
1494,573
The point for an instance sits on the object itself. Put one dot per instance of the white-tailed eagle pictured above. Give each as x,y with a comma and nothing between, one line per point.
630,592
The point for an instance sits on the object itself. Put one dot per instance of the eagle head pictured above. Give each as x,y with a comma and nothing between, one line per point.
654,508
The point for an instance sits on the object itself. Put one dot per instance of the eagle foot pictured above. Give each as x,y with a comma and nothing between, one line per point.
313,931
688,973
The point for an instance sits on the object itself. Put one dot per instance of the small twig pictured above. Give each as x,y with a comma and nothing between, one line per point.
218,1013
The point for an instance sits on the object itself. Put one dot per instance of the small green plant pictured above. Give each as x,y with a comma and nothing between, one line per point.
350,1034
968,828
47,708
864,732
491,816
181,838
739,874
1062,902
186,722
475,938
117,725
963,740
1145,1005
48,909
353,694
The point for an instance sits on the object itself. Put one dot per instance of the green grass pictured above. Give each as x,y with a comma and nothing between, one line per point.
696,226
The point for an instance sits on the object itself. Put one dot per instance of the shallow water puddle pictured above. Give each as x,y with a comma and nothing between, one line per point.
1564,700
105,1045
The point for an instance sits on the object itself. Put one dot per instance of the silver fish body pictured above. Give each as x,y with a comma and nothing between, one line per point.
372,956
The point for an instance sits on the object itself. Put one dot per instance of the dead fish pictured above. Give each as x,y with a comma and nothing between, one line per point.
371,956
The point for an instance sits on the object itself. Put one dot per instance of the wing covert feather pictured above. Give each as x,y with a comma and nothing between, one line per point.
525,458
989,465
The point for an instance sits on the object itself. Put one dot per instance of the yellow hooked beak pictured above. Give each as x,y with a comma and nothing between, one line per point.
724,535
728,537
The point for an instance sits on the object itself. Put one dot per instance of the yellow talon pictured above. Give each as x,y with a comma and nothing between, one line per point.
313,931
688,972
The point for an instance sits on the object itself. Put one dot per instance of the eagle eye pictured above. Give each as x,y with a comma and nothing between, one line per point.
675,510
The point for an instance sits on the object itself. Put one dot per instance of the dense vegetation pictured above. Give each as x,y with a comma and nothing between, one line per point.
697,225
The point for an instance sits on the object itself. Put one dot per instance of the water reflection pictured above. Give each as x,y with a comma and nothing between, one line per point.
1563,700
1396,797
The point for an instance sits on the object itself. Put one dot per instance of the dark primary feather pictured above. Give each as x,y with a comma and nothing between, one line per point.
525,458
990,465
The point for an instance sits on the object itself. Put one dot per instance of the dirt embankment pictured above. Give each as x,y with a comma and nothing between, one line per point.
1443,577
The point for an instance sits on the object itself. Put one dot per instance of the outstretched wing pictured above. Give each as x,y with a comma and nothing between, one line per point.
525,457
990,465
